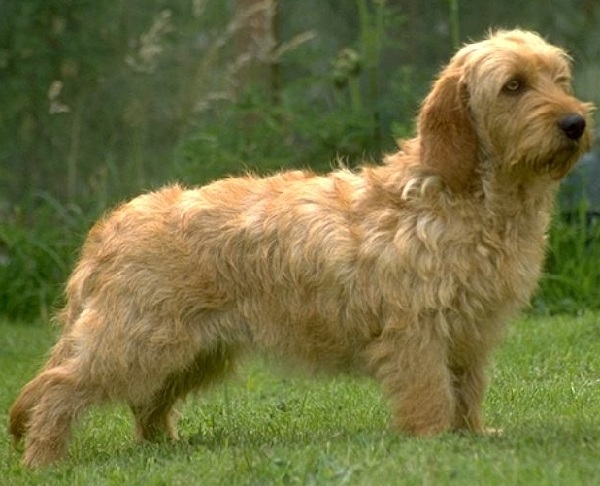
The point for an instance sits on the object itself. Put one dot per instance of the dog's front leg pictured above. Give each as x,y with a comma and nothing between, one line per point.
411,363
471,383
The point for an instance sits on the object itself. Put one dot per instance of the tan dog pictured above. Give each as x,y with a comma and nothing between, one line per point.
407,271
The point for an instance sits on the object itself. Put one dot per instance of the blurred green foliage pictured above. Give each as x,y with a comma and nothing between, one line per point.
102,100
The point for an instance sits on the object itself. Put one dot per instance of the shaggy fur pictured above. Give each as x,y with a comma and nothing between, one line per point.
408,271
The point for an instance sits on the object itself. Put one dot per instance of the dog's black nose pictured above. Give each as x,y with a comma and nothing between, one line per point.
573,125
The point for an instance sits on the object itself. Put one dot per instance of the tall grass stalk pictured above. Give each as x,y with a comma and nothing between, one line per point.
454,24
372,38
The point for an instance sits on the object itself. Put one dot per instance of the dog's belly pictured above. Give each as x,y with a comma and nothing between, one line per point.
317,329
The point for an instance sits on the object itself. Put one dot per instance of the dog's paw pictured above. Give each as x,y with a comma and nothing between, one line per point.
493,432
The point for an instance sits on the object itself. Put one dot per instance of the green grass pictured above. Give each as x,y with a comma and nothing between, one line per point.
272,428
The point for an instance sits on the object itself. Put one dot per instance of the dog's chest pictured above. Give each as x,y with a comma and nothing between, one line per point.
463,262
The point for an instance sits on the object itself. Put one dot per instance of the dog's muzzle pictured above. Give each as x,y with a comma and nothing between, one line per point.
573,125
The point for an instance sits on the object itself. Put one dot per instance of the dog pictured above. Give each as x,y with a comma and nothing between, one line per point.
407,271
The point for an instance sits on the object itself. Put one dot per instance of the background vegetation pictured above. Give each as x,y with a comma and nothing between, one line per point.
102,100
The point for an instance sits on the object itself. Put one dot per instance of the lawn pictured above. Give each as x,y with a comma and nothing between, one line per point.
267,427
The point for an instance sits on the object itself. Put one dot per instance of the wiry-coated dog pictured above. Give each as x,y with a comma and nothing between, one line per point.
408,271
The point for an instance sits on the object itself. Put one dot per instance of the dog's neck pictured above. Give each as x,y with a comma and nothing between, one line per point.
498,191
513,192
496,196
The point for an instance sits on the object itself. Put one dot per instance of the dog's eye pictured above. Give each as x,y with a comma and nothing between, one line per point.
513,86
564,82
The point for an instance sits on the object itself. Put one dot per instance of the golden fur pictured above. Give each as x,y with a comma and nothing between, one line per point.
407,271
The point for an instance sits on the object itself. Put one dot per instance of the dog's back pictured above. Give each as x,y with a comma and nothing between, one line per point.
269,262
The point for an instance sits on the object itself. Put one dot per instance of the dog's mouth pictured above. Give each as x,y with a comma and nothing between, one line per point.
560,166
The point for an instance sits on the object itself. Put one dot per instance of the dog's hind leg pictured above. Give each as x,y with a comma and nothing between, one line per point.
156,417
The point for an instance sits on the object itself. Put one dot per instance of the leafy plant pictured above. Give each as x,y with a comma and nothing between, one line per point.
571,282
36,256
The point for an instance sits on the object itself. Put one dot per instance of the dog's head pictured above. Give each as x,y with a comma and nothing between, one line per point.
507,100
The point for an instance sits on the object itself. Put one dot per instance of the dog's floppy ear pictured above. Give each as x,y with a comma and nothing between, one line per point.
447,138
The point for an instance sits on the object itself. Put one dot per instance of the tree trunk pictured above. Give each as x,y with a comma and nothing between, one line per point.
256,41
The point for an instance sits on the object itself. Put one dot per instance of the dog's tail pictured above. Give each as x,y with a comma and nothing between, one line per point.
20,412
31,394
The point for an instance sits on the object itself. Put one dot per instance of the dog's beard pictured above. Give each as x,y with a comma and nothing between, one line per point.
558,161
